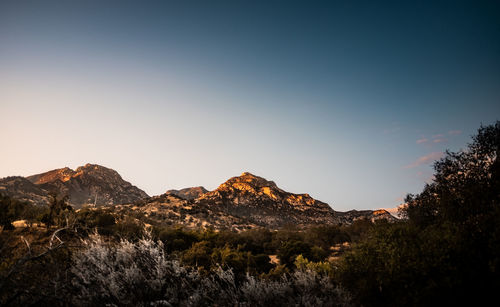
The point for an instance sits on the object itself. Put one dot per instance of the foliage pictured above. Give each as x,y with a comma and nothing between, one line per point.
59,212
448,249
139,274
34,267
320,267
198,255
327,235
96,218
12,210
289,250
177,239
130,228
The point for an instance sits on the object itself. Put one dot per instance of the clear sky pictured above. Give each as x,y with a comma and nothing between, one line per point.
349,101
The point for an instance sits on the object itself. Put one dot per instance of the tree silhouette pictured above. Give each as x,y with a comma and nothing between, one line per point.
448,250
466,188
58,211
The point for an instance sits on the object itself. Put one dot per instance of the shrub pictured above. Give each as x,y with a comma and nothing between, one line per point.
289,250
10,210
139,274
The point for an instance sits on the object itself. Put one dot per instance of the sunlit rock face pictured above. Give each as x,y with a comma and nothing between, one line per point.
242,202
89,184
262,202
61,174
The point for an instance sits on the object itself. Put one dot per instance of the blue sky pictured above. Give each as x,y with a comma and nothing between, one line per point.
349,101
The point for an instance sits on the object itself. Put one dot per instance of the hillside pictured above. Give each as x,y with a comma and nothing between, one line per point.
262,202
189,193
88,184
242,202
22,189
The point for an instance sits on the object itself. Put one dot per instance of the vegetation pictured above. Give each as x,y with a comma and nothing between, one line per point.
12,210
445,251
448,250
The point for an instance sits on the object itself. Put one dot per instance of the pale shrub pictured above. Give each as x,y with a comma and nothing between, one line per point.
141,274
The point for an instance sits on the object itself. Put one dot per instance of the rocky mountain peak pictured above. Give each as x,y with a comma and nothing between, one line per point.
261,201
90,166
61,174
250,184
97,170
244,201
88,184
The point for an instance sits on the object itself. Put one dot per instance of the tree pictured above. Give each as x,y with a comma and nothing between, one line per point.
177,239
466,188
59,211
448,249
289,250
198,255
10,210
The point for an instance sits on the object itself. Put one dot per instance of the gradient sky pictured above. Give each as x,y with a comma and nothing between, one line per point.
349,101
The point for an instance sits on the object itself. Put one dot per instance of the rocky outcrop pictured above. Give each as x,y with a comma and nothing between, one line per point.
242,202
172,210
22,189
89,184
189,193
372,215
263,203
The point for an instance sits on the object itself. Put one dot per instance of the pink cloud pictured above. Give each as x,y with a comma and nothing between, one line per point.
454,132
422,140
425,159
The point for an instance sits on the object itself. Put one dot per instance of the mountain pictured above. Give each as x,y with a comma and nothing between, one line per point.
22,189
372,215
172,210
88,184
261,202
189,193
242,202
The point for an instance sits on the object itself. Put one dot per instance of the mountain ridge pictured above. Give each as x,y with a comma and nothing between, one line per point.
244,201
88,184
262,202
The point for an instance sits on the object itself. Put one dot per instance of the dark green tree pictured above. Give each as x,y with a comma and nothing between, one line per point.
466,188
10,210
289,251
448,250
199,255
177,239
58,212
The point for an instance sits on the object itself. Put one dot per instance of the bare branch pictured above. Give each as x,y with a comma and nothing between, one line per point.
29,257
27,244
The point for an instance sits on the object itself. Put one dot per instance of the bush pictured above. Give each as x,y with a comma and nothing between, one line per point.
10,210
139,274
176,239
129,228
289,250
448,250
199,255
